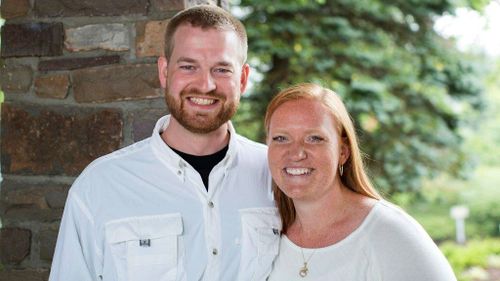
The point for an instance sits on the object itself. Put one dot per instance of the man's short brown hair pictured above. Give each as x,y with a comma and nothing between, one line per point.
205,16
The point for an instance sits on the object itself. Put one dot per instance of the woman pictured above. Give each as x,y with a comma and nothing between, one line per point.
335,225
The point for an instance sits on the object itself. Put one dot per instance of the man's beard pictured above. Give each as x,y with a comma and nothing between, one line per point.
199,122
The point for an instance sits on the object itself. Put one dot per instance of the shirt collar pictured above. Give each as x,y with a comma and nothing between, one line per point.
173,160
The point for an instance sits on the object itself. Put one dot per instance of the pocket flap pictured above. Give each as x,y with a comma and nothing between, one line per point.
261,217
145,227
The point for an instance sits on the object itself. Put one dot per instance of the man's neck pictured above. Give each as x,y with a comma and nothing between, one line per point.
178,137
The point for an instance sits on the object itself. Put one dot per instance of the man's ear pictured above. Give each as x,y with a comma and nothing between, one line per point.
245,71
162,71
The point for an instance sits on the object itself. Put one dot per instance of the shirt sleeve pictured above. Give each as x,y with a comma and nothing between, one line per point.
402,250
76,256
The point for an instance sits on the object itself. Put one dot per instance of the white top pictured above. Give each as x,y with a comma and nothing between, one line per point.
389,245
142,213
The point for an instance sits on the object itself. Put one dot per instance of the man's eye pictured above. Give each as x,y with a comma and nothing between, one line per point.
223,70
187,67
279,139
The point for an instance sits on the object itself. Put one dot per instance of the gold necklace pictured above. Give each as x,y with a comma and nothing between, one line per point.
304,270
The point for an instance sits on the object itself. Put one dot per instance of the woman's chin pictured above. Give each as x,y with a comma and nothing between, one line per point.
295,192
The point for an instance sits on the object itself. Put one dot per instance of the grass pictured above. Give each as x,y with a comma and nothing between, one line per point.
474,257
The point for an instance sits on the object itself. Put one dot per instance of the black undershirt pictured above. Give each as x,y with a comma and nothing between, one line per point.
203,164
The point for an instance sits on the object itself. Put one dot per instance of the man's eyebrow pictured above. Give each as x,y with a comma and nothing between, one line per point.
186,59
224,63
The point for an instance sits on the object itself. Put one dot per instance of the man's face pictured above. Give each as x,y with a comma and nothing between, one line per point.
204,77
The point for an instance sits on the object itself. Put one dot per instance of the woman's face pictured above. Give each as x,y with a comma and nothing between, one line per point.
304,149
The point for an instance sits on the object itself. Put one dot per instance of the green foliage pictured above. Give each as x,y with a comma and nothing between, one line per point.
474,253
436,221
407,89
484,138
480,193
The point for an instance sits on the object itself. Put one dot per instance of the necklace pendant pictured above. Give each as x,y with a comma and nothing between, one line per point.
303,271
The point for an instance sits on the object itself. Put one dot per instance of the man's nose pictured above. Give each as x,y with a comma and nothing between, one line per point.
205,82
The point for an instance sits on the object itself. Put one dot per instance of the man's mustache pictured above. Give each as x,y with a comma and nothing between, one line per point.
195,92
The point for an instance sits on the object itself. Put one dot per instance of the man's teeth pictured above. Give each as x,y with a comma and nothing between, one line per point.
202,101
298,171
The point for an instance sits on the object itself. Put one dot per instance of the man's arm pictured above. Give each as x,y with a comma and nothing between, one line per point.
76,255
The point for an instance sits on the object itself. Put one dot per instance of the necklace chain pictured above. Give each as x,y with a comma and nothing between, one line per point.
304,269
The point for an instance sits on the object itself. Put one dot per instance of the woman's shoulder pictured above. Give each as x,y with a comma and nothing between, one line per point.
396,240
390,228
390,219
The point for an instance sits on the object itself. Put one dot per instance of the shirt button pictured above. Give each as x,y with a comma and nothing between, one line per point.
211,204
214,251
179,172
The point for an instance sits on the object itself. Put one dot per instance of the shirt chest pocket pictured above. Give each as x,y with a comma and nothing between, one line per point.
146,248
260,239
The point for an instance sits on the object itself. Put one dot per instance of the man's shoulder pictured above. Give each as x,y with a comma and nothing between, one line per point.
250,144
109,168
121,156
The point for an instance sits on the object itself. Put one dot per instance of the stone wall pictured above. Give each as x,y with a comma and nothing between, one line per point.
80,81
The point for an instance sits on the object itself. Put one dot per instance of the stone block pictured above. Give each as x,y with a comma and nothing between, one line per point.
144,121
28,197
15,8
112,36
225,4
15,244
70,8
192,3
56,199
52,86
75,63
25,275
38,196
116,83
26,214
32,39
28,202
177,5
43,140
47,242
167,5
150,39
16,79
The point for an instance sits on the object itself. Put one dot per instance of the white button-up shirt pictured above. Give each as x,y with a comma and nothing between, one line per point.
143,213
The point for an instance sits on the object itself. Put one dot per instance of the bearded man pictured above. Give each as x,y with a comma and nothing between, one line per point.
192,202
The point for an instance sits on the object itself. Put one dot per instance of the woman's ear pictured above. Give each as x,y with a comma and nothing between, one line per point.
345,150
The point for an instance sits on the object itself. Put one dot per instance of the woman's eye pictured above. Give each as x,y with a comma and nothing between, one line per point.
315,139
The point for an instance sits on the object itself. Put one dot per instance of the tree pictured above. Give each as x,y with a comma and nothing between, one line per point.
406,88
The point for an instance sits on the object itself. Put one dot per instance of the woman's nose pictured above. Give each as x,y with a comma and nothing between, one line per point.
297,152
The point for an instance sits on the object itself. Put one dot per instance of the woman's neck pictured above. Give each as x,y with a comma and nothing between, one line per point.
329,219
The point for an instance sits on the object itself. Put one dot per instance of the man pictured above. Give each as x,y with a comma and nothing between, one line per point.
193,201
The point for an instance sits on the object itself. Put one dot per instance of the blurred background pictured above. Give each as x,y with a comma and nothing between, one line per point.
421,79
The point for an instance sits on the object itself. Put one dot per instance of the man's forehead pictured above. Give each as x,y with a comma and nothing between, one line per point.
191,38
